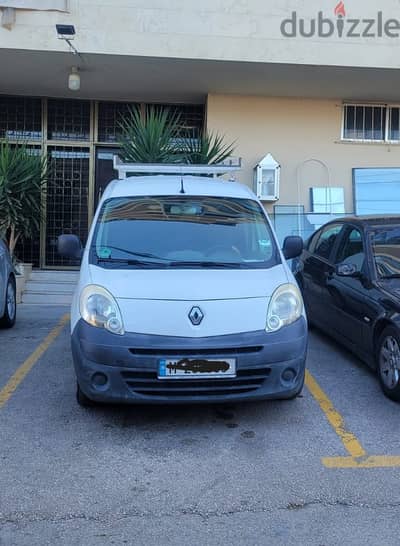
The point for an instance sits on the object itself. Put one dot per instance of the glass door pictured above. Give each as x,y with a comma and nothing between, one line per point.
104,171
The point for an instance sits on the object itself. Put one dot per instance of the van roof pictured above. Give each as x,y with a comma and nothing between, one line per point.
172,185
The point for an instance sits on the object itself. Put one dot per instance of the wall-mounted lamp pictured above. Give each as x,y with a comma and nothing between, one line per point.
267,178
74,79
67,33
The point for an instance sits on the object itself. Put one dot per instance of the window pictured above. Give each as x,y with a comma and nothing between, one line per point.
313,241
371,123
183,232
109,117
376,191
327,240
352,250
394,128
68,119
20,118
386,251
191,117
364,122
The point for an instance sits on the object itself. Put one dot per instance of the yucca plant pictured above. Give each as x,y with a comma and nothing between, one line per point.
207,149
150,138
22,182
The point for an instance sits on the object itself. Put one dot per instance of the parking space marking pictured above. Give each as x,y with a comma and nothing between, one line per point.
350,442
17,378
358,457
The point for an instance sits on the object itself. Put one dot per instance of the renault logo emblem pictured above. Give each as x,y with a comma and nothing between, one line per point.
196,316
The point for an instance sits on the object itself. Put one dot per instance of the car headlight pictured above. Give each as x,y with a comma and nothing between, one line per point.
285,306
98,308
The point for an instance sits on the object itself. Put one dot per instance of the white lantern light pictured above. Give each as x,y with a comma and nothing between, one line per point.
266,179
74,79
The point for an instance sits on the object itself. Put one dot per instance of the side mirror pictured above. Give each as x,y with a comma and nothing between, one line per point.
69,246
292,247
347,270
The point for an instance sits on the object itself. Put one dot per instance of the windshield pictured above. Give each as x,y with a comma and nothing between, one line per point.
183,232
386,251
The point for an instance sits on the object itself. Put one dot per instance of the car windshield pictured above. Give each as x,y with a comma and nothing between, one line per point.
386,251
183,232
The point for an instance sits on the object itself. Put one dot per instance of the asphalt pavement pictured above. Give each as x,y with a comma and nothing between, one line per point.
245,474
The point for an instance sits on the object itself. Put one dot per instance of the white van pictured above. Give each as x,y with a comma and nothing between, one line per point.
184,296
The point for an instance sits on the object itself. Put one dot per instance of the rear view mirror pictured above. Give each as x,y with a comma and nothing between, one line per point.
69,246
292,247
347,270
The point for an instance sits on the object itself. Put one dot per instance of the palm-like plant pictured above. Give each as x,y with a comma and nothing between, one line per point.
150,138
158,137
22,182
208,149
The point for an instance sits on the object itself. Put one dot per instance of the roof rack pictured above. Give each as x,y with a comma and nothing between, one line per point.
227,167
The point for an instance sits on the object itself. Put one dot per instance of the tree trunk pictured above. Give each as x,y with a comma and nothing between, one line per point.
12,241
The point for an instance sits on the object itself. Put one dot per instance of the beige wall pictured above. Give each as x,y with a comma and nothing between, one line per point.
210,29
294,131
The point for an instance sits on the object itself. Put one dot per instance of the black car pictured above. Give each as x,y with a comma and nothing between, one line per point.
349,274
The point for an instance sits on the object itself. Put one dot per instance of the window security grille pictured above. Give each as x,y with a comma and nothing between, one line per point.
20,118
67,198
371,123
68,120
110,114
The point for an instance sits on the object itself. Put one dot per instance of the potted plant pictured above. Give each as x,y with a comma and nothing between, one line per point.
22,183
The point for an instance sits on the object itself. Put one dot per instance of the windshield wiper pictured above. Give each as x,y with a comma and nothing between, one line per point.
133,253
207,264
129,262
392,276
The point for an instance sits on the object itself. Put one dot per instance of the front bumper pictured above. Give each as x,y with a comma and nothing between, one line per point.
128,365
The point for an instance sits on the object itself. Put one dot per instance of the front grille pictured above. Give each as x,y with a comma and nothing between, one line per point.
147,383
227,352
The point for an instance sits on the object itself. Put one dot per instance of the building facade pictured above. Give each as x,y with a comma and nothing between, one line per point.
313,84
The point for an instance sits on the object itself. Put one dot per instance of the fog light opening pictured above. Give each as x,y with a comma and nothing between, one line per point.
289,375
99,380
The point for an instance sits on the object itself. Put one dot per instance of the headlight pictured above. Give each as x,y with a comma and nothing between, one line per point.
99,308
285,306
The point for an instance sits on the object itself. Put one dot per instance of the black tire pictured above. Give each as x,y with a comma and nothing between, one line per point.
10,310
82,399
388,362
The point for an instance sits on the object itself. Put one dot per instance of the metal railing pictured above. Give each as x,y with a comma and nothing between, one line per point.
125,169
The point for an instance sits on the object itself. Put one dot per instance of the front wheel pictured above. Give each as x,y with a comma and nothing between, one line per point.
388,360
10,308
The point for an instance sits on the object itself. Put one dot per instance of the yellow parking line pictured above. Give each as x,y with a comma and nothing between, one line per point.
375,461
357,458
17,378
350,442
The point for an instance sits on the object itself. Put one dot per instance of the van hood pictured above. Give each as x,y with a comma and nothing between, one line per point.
189,284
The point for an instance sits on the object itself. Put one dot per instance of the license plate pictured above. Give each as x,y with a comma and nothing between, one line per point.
196,368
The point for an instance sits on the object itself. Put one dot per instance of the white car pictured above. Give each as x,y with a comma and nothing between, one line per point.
8,308
184,296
